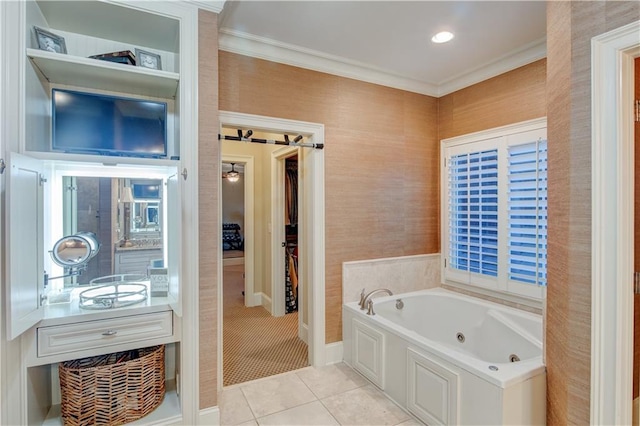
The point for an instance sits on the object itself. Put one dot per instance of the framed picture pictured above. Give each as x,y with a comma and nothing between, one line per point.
49,41
148,60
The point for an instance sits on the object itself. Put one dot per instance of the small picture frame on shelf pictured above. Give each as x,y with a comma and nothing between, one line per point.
148,60
49,41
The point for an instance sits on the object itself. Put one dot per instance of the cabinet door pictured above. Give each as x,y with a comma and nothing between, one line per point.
368,352
173,241
24,251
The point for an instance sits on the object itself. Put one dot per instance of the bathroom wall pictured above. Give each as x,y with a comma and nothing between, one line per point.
208,207
515,96
570,27
381,160
398,274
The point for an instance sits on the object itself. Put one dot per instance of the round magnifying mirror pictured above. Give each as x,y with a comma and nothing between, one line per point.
76,250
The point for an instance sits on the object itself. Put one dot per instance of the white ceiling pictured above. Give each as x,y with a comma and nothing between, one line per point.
389,42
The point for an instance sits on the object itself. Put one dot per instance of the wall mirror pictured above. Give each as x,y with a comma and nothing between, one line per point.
126,215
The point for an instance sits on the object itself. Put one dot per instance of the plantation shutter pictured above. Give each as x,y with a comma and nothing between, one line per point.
527,207
473,212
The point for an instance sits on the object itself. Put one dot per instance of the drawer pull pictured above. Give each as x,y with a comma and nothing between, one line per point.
110,333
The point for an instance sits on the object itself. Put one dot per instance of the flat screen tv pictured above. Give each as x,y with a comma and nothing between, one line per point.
89,123
146,191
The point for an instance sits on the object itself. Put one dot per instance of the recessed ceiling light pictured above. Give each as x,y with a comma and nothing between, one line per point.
442,37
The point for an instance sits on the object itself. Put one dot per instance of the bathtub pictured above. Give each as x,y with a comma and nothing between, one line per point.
449,358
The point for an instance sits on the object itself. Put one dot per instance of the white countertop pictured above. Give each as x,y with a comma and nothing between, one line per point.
64,313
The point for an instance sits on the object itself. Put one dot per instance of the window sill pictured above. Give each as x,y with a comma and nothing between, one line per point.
512,300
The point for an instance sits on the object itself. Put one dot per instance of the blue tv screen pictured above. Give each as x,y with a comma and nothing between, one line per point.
89,123
146,190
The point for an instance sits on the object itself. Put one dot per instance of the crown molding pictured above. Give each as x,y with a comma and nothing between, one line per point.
215,6
515,59
288,54
263,48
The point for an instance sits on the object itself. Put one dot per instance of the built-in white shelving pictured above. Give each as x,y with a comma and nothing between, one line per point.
91,27
65,69
164,414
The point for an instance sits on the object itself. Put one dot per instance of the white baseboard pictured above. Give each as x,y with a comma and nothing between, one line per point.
264,301
303,333
210,416
333,353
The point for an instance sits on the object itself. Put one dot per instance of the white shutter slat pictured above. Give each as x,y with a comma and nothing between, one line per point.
527,209
473,205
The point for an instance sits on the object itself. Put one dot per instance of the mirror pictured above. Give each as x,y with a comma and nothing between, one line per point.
145,217
75,251
146,195
125,214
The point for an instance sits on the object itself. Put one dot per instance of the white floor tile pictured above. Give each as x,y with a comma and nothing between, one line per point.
313,413
277,394
411,422
249,423
234,408
331,379
364,406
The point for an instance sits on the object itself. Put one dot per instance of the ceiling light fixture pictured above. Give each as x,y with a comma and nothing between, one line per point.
233,176
442,37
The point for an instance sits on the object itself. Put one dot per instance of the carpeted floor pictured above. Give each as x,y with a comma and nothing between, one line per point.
255,344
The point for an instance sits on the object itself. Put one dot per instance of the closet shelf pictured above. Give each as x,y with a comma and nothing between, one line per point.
95,74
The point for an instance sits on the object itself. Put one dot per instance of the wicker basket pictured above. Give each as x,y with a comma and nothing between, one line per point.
112,389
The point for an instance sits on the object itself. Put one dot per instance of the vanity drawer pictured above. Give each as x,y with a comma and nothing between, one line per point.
59,339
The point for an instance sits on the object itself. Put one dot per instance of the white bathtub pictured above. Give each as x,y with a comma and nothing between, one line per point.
450,358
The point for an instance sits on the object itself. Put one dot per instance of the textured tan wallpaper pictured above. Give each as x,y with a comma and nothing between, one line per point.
511,97
208,195
570,27
381,160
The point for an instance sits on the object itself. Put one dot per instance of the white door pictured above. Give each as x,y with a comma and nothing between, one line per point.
24,239
173,240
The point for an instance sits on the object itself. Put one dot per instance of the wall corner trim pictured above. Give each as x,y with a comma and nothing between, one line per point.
210,416
612,218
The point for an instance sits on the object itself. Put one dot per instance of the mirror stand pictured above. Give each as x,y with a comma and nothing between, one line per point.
73,254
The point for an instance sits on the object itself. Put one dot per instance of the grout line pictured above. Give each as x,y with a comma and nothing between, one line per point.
329,411
248,405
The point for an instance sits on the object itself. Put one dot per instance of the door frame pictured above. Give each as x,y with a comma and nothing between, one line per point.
311,236
250,298
612,159
278,158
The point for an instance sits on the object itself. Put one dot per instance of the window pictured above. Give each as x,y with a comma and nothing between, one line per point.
495,210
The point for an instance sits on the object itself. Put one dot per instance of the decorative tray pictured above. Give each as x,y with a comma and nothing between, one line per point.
110,296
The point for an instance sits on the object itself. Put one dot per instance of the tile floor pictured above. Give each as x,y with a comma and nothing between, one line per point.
331,395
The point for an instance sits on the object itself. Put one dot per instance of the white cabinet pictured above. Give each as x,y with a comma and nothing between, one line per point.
135,261
87,335
24,280
35,341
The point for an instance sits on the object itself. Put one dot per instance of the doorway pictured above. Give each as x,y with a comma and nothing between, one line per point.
612,63
311,232
256,343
